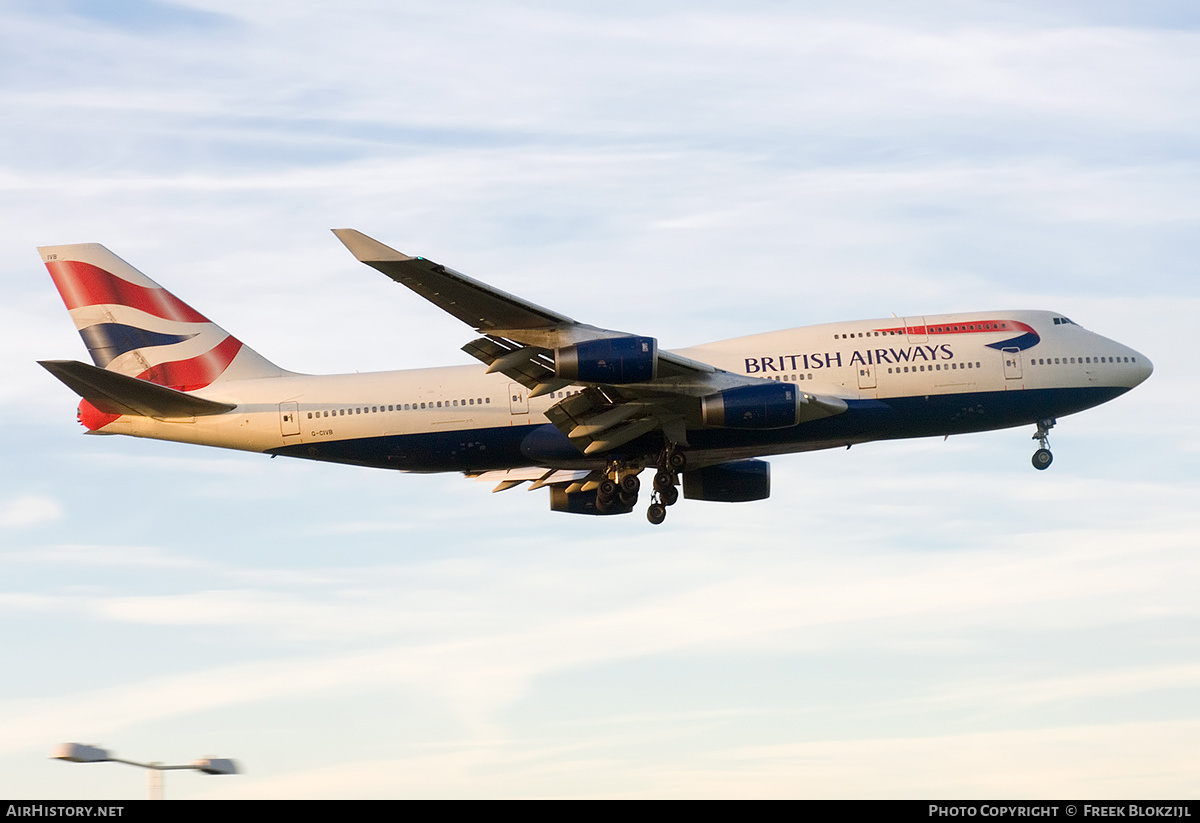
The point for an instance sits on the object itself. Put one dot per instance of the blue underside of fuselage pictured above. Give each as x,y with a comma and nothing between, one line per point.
865,420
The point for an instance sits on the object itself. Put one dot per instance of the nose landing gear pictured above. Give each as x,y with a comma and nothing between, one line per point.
1042,458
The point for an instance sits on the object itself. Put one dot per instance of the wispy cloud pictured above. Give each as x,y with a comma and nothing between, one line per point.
28,510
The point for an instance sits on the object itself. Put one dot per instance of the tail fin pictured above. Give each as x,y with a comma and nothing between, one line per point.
135,327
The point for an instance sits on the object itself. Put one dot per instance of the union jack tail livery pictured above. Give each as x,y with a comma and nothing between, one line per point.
150,348
133,326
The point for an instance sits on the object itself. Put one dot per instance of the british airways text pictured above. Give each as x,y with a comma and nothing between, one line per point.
866,357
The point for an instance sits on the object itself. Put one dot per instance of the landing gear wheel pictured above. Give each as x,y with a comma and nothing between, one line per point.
664,480
657,513
630,484
629,500
677,461
669,496
607,488
1042,458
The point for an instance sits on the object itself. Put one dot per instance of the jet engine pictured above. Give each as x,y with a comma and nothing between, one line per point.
739,481
767,406
612,360
583,503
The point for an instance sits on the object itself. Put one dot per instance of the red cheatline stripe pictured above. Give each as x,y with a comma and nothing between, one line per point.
969,327
197,372
82,284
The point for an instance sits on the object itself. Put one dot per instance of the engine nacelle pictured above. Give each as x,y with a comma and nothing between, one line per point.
582,503
612,360
739,481
767,406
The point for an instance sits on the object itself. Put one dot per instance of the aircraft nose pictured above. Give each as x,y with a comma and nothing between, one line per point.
1135,368
1143,368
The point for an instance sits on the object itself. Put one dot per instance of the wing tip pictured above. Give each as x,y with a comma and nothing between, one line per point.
367,249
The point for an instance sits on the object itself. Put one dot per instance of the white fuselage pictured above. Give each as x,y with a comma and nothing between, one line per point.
880,360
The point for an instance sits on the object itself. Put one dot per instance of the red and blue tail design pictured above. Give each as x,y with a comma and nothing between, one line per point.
135,327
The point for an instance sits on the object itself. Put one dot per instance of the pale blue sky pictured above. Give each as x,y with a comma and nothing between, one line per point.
923,618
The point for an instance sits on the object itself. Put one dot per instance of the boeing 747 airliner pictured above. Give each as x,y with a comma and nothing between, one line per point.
576,408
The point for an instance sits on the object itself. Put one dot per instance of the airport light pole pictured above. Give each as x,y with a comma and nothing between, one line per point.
79,753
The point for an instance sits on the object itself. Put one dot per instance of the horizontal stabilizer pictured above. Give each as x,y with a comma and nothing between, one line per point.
115,393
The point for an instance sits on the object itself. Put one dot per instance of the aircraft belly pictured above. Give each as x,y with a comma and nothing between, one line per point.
438,451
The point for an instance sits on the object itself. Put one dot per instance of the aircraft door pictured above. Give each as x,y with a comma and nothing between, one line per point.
866,376
1012,363
289,419
915,327
518,399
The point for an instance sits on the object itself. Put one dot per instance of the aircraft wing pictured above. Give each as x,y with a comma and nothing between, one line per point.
476,304
522,340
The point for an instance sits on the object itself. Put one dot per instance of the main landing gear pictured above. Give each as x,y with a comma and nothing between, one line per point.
1042,458
620,487
666,484
618,491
